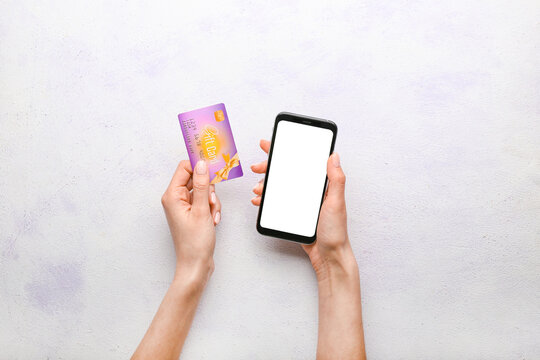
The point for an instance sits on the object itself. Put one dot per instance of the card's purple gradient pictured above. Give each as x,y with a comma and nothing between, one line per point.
203,117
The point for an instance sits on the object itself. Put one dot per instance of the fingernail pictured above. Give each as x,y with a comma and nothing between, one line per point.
255,187
201,167
213,197
335,159
217,218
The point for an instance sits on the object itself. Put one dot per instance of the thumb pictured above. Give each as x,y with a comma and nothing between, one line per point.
201,184
335,194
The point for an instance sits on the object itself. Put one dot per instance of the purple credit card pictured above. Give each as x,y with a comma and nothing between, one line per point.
208,136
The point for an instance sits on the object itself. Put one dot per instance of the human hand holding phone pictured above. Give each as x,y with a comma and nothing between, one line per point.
332,247
341,332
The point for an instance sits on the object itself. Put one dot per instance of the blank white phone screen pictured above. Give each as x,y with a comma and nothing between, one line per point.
296,178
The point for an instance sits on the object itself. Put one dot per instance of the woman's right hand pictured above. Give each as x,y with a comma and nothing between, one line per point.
341,334
332,251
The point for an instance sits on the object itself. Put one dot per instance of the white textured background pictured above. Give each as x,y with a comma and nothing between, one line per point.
438,107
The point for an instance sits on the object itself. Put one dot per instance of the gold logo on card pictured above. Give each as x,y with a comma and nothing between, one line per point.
219,115
211,143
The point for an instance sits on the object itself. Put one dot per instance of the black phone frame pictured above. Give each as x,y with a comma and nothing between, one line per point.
306,120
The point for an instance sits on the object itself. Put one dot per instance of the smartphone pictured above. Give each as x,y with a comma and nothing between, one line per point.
296,179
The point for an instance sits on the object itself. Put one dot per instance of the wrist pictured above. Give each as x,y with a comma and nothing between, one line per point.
195,275
336,268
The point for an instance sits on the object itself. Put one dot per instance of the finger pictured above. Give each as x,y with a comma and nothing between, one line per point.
335,195
187,190
256,201
211,189
201,186
212,198
260,168
215,207
265,145
179,186
258,189
182,175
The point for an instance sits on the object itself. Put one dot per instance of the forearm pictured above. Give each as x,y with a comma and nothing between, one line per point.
170,326
341,334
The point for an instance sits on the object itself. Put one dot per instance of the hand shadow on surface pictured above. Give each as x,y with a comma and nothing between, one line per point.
285,247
